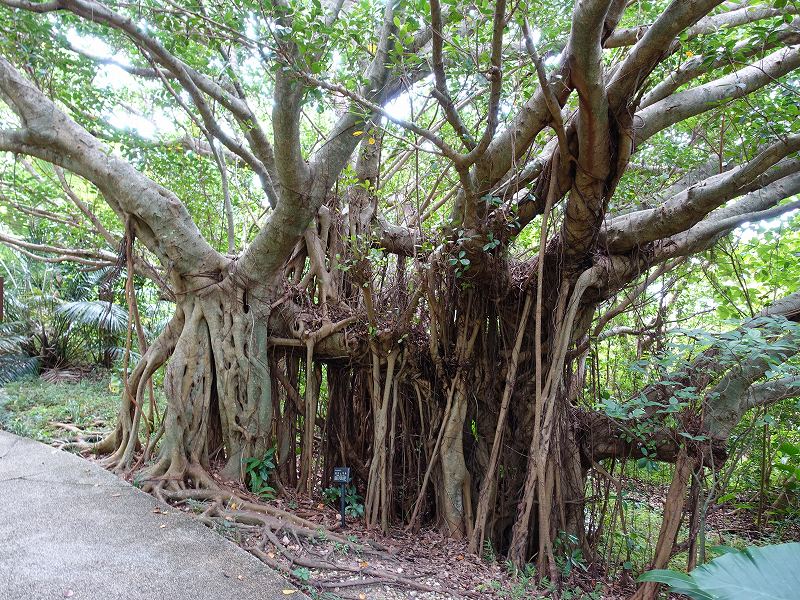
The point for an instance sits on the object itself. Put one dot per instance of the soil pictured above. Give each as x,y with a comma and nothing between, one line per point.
367,564
383,570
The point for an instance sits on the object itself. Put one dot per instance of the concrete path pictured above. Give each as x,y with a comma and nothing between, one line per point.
69,529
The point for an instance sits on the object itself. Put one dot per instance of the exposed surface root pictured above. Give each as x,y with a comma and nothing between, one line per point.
172,476
291,544
233,508
77,439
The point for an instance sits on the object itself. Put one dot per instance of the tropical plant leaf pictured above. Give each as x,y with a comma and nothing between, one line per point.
678,582
767,573
10,344
98,314
118,353
14,366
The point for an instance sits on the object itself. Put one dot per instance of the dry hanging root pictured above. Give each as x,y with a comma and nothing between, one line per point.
285,541
123,442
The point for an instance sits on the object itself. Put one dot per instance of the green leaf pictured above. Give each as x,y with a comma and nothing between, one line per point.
678,582
768,573
97,314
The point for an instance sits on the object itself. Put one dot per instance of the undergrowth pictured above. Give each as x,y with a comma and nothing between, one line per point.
30,406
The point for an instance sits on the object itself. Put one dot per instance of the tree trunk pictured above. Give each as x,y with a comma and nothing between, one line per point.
218,388
673,512
454,469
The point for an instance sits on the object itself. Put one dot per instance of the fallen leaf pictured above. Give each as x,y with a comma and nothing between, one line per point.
460,557
364,564
288,592
357,133
271,554
320,506
371,141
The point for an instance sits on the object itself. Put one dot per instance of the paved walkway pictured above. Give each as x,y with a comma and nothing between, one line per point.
69,529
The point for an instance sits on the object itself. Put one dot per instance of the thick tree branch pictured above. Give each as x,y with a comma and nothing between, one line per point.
195,84
751,207
77,254
587,199
724,403
688,207
652,48
708,25
774,391
697,100
265,256
441,93
700,65
52,136
729,399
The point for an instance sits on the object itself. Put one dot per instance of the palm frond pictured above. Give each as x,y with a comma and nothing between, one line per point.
117,353
14,366
103,316
86,282
10,344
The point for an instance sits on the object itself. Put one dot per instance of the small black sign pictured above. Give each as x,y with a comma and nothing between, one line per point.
341,474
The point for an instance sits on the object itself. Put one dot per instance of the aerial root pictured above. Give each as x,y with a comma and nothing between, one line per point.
172,475
181,481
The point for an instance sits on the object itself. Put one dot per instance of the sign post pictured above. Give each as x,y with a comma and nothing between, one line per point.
341,475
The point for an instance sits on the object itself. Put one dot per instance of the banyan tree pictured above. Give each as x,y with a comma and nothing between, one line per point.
424,215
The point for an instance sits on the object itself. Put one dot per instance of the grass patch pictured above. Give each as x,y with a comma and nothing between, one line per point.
29,406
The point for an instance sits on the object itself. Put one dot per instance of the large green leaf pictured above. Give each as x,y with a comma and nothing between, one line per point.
767,573
15,366
679,583
100,315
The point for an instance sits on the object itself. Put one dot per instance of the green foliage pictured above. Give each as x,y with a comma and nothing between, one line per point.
258,472
96,314
15,363
29,406
354,503
489,555
302,573
52,321
787,462
768,573
568,554
523,583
